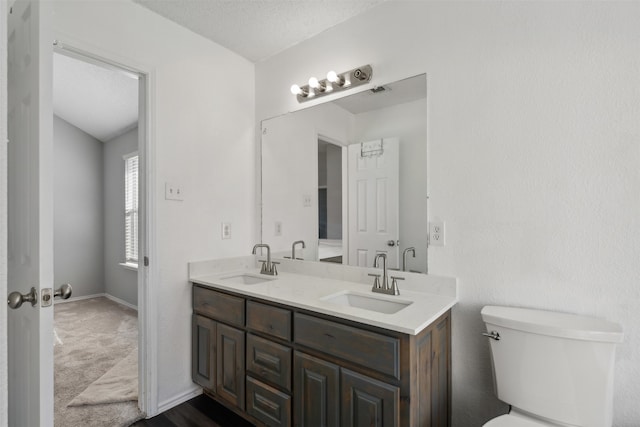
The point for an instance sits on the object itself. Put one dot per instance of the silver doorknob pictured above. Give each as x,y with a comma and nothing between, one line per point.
392,243
64,292
16,299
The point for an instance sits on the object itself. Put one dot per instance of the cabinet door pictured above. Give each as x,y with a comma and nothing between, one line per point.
230,365
367,402
316,399
203,352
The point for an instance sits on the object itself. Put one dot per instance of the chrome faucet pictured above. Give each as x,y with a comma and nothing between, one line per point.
404,257
384,288
268,267
385,279
293,248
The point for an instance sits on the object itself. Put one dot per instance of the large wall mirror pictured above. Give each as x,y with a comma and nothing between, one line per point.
348,177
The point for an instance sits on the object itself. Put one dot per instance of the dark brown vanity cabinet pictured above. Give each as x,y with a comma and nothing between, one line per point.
203,351
277,365
218,359
218,344
230,364
317,391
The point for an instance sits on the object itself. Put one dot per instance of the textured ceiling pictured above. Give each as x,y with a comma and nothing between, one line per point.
258,29
99,101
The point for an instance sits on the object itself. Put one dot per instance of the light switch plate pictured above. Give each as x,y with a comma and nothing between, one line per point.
172,192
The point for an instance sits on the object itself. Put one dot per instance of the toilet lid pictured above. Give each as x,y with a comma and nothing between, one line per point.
515,421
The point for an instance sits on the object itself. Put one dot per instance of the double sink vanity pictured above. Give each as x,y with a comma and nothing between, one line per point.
314,346
324,343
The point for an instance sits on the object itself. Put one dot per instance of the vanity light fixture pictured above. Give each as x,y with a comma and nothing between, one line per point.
297,90
318,86
333,83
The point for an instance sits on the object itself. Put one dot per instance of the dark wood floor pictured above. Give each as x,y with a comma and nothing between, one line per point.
200,411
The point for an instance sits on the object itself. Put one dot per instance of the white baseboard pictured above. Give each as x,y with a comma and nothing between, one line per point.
176,400
111,297
72,299
121,301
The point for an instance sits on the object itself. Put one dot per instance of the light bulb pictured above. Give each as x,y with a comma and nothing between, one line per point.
333,77
295,89
317,86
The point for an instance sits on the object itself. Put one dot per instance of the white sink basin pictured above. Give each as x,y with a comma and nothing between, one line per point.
371,302
245,279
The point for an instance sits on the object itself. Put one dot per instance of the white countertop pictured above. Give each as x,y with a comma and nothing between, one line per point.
306,292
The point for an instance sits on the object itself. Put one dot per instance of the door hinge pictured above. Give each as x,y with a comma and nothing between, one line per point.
146,261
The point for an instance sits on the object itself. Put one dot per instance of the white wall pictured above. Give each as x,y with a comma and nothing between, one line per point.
202,133
534,147
119,282
78,233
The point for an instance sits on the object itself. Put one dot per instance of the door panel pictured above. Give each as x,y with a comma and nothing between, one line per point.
230,364
367,402
316,393
203,352
30,212
374,203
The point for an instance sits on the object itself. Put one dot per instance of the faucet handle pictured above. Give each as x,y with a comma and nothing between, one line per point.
394,285
376,280
263,269
274,270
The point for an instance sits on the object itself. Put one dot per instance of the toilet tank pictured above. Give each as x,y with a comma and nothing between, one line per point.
555,366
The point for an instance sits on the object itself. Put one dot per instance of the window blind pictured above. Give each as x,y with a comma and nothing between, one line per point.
131,209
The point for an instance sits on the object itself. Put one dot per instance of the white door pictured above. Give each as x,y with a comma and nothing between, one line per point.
30,213
373,201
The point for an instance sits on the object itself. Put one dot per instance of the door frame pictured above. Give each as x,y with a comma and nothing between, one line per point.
4,409
147,270
320,135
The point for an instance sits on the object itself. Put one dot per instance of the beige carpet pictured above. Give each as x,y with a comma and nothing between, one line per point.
91,338
118,384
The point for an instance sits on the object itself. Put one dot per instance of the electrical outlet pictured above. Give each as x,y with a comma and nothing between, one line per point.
278,228
226,230
436,233
306,201
172,192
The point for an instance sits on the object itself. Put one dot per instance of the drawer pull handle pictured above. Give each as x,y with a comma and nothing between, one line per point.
329,335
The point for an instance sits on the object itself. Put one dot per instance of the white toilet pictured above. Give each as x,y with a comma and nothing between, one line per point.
554,369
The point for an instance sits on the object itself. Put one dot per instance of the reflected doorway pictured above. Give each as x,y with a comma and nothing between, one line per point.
330,202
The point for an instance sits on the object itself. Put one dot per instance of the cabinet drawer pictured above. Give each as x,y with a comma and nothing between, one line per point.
269,361
267,404
269,320
219,306
365,348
